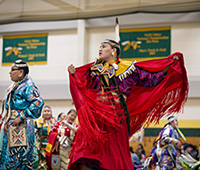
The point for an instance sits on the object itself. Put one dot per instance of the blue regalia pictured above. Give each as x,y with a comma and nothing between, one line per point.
22,100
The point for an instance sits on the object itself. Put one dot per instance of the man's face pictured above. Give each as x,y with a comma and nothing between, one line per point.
15,74
174,123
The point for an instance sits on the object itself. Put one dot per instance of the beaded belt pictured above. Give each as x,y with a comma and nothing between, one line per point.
15,113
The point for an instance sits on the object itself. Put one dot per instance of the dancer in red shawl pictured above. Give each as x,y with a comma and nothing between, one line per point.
114,98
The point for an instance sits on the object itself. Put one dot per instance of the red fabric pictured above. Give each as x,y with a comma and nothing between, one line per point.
100,131
145,104
115,154
56,127
51,140
90,111
148,104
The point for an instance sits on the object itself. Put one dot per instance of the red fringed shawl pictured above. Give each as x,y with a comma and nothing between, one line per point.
145,104
148,104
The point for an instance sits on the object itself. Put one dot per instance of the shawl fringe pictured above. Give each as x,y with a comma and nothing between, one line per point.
150,104
96,112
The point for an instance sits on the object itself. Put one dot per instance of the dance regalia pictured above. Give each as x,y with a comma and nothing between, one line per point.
164,153
43,127
65,136
102,139
22,100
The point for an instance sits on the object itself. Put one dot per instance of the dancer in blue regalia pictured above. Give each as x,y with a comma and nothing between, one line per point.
22,104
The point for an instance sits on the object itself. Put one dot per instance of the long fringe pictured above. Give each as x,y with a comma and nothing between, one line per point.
167,98
97,114
169,104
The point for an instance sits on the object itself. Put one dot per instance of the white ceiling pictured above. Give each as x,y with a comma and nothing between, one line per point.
53,10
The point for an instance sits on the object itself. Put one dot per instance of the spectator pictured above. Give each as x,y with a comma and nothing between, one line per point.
190,157
135,159
141,153
192,150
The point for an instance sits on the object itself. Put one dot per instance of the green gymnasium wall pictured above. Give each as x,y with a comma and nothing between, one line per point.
188,132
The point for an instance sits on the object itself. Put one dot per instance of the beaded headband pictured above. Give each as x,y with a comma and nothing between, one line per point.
112,44
19,64
171,118
47,107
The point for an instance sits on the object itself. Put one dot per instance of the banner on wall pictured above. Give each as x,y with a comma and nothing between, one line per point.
30,48
145,43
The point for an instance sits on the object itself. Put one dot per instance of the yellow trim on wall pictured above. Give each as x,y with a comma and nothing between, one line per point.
29,63
143,59
181,124
145,29
25,36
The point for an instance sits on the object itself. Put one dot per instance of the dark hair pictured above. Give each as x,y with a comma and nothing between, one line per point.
194,152
26,70
117,49
141,146
131,149
60,114
188,145
22,65
71,110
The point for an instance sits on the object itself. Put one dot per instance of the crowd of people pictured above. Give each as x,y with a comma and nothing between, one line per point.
113,98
